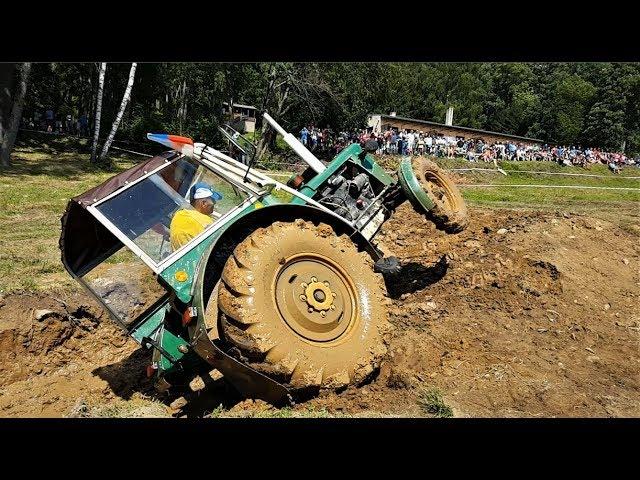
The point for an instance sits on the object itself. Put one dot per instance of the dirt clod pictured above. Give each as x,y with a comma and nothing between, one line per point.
40,315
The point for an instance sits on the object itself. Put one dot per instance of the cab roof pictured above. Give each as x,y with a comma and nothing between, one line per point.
84,241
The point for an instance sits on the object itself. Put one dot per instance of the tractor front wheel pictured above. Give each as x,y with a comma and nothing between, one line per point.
449,212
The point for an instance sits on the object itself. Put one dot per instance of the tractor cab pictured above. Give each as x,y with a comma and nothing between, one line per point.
117,237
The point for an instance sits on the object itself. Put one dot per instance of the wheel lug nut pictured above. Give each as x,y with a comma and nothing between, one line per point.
333,307
326,283
303,298
334,294
314,279
310,310
304,285
324,314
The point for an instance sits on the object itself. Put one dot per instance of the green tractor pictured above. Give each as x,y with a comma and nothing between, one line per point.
280,290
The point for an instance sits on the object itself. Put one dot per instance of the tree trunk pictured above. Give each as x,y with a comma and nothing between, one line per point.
263,142
268,137
16,115
7,74
96,131
123,106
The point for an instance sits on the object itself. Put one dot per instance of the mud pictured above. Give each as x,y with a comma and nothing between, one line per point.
522,314
70,357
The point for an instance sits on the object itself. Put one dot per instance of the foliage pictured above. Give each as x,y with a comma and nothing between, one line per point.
432,402
596,104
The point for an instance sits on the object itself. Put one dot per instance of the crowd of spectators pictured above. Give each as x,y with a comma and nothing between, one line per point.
326,142
411,142
52,122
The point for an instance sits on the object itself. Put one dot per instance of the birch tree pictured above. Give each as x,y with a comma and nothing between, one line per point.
96,131
123,106
8,137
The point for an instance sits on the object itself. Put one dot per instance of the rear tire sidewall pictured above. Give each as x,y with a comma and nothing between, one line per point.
352,352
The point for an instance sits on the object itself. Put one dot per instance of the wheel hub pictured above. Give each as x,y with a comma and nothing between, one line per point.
315,297
319,296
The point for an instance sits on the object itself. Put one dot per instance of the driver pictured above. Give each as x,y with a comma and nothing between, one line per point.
188,223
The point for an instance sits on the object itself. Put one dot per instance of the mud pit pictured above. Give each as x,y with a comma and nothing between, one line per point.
59,353
540,319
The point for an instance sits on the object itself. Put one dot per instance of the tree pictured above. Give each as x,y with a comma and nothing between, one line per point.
290,85
96,132
557,102
569,100
8,136
116,122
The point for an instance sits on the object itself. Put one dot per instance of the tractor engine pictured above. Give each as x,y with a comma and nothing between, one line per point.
347,193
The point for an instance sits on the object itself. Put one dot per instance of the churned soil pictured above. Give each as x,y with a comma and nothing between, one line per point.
523,314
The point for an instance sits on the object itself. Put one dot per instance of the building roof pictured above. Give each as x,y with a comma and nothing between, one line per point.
467,129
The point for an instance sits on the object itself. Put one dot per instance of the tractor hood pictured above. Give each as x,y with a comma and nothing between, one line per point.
84,241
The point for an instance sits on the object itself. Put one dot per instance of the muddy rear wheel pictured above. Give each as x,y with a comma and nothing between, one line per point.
301,304
449,212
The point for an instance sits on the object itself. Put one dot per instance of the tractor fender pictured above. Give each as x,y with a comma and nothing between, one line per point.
204,335
261,218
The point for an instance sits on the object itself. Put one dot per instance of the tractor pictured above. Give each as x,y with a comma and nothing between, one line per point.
281,291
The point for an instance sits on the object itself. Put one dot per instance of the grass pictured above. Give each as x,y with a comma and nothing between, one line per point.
431,401
48,171
33,196
139,406
510,195
272,412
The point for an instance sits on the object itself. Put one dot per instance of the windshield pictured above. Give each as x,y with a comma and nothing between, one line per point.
144,212
125,285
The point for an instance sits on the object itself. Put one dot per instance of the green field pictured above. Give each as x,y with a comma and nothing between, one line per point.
33,195
36,189
518,174
521,173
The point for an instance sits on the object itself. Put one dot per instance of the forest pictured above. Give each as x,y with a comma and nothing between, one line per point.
588,104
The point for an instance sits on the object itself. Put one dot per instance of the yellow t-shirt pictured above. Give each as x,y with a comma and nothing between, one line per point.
185,225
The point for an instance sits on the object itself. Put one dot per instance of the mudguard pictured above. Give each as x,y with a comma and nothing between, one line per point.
204,335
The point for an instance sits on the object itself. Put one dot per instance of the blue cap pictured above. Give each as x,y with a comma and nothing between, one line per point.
203,190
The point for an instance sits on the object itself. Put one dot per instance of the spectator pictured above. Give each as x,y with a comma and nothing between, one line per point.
304,133
84,125
49,117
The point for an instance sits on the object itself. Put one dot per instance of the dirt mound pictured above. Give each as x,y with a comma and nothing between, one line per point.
522,314
55,349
